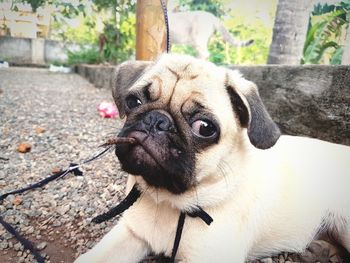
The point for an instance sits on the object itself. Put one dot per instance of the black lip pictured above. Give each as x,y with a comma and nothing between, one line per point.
141,142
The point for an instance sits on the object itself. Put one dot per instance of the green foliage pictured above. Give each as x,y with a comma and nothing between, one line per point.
110,26
66,8
35,4
85,56
221,52
107,4
257,53
120,34
337,56
183,49
84,34
59,63
327,27
212,6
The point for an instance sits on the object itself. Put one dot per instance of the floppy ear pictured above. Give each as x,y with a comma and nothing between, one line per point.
263,133
127,74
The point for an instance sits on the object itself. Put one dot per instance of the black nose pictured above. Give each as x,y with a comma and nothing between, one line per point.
157,121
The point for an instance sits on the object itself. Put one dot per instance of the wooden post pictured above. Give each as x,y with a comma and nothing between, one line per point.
150,30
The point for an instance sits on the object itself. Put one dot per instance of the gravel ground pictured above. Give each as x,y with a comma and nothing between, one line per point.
56,115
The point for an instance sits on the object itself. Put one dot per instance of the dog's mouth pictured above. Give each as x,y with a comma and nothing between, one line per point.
145,148
156,160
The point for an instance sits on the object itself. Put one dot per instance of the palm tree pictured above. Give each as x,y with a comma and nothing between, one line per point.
346,54
289,31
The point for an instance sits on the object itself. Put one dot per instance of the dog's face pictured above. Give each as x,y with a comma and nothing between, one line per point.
188,117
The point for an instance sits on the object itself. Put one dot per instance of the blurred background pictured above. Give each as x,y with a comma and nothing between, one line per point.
103,31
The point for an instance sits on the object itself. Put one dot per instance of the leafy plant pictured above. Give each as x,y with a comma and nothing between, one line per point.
256,53
109,29
89,55
59,63
326,31
66,8
83,34
183,49
120,39
119,30
212,6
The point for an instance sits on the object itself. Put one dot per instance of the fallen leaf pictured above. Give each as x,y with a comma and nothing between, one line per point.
39,130
17,200
56,170
24,147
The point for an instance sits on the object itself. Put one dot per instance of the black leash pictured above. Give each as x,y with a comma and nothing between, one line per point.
166,21
25,242
180,226
128,201
198,212
132,197
73,168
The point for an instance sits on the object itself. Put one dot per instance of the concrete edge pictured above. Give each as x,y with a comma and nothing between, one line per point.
307,100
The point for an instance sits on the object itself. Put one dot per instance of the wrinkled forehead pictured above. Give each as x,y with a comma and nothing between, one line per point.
182,80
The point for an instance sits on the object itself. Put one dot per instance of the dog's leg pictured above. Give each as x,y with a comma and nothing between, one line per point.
345,238
119,245
327,247
319,251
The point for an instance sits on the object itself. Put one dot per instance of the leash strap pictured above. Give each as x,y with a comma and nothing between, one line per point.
180,226
132,197
73,168
25,242
166,21
129,200
198,212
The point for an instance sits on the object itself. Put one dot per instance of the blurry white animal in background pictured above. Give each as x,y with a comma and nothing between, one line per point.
195,28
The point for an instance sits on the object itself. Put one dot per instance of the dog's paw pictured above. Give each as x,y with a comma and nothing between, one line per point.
320,251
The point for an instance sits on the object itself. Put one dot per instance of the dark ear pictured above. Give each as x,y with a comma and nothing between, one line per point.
127,74
263,133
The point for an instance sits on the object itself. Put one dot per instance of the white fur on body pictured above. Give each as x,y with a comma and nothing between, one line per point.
263,202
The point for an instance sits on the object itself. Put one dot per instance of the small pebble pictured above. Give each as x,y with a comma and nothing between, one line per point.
24,147
41,246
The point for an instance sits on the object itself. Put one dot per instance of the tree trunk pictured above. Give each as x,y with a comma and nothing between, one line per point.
289,32
346,55
150,30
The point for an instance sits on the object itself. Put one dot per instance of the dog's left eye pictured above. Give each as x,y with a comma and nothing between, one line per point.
204,128
133,102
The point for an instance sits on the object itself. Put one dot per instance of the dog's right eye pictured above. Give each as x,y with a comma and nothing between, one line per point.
133,102
204,128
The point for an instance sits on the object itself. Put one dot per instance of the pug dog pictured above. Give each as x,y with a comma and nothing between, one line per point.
204,139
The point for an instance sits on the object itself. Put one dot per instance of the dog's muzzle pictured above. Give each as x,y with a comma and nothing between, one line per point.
159,155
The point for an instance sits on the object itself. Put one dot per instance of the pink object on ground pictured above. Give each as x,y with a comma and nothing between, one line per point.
107,110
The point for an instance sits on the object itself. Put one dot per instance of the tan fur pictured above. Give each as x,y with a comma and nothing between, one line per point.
262,201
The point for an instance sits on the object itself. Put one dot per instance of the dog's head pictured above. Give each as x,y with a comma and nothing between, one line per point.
187,116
